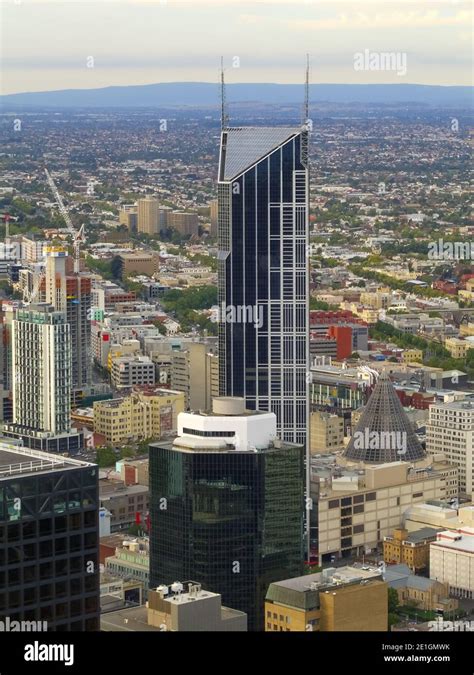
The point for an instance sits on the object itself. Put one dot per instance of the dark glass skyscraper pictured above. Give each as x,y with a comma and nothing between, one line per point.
49,540
263,272
225,513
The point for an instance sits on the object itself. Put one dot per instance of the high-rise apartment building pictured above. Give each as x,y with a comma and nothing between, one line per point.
148,210
450,430
70,294
41,370
49,571
41,379
78,316
5,367
184,223
263,272
226,505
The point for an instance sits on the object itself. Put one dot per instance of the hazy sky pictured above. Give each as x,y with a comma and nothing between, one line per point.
53,44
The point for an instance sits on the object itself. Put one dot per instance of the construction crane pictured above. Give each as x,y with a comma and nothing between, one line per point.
77,236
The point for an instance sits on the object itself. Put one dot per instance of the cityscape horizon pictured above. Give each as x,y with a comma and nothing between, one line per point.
236,332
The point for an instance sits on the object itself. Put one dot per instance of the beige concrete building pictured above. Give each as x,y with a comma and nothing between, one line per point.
139,263
327,432
368,314
143,414
360,505
195,372
148,210
342,599
128,216
450,430
438,515
452,561
184,223
126,348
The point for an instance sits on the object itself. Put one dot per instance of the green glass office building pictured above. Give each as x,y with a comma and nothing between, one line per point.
231,520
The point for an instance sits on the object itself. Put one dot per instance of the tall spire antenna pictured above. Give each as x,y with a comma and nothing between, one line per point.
223,100
306,92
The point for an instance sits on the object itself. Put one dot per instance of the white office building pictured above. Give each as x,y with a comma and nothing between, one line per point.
131,371
450,430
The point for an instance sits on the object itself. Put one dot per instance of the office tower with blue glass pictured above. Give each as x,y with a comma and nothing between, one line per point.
263,272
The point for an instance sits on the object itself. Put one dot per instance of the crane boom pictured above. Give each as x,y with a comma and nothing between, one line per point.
77,236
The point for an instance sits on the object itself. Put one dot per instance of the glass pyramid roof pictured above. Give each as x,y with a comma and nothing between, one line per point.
384,432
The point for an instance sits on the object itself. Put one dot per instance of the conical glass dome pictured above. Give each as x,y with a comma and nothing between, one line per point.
384,433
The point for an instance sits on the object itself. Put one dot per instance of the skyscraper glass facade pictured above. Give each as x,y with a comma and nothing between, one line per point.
232,521
49,564
263,238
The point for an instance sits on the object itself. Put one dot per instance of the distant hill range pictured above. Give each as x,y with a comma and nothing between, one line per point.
207,94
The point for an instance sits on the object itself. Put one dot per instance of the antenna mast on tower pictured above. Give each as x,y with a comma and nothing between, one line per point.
306,92
224,117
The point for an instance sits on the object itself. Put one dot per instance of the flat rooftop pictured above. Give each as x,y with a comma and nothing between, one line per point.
136,619
17,460
465,543
303,592
458,406
128,619
109,489
335,575
193,444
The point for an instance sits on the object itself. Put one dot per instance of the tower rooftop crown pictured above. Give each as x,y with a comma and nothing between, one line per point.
247,145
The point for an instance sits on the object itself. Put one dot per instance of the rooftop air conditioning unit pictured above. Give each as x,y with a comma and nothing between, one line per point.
177,587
